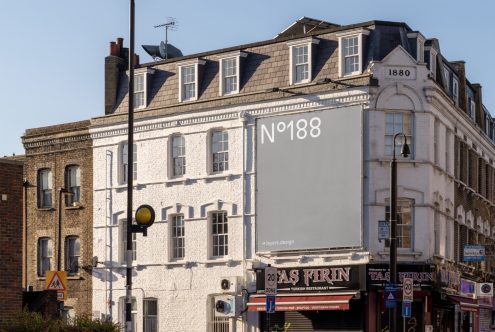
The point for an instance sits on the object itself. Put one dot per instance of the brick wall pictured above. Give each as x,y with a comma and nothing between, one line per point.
10,238
56,148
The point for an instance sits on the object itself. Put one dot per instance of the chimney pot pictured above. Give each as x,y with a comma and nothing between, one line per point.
113,49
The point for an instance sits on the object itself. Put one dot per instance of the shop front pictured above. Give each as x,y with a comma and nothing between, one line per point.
377,277
322,298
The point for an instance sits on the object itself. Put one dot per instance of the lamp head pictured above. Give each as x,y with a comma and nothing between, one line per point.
405,151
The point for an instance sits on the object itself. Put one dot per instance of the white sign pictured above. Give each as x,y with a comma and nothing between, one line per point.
407,290
484,289
271,280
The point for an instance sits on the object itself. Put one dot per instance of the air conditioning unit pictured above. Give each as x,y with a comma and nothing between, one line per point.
226,306
229,285
484,289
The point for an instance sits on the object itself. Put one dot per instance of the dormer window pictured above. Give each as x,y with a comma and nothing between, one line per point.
419,39
455,90
433,62
471,104
301,60
446,79
230,69
351,52
141,78
189,77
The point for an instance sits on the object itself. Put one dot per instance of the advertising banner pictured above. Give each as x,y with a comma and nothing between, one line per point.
309,180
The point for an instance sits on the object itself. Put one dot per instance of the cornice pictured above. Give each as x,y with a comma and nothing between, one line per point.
252,110
37,142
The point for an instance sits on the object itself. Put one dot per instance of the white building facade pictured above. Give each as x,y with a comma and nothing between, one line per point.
203,162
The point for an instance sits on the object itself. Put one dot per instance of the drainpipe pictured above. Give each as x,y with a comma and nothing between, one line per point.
25,185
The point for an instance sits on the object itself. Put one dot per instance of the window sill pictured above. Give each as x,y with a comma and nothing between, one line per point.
46,209
218,176
220,261
173,264
76,207
414,254
174,181
77,277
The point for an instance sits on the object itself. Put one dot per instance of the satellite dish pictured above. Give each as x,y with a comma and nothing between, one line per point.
159,53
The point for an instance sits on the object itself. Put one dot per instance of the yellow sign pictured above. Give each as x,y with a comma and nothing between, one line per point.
57,281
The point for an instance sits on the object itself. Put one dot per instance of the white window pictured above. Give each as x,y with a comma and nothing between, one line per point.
124,162
446,78
44,256
45,188
351,52
72,255
436,228
150,315
455,90
122,318
219,233
433,62
448,236
404,222
178,237
139,91
220,151
472,109
178,155
188,80
436,138
123,242
420,56
73,184
396,122
301,55
230,77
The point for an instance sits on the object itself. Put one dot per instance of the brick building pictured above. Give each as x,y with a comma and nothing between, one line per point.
11,227
60,157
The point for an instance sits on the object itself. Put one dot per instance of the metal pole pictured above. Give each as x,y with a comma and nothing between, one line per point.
59,240
130,153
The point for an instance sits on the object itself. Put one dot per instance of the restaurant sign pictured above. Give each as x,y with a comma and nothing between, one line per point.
378,275
313,279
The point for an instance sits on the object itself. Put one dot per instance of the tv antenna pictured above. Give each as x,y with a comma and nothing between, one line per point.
172,24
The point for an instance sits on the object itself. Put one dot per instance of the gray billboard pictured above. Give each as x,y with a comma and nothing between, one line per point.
309,180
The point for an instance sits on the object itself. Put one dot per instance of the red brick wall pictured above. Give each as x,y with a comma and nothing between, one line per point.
11,175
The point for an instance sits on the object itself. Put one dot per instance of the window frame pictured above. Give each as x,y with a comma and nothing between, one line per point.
238,56
309,45
123,153
433,61
145,73
147,316
173,157
123,243
75,189
401,203
174,247
224,152
220,248
45,193
69,258
43,258
359,33
122,313
390,136
455,90
180,68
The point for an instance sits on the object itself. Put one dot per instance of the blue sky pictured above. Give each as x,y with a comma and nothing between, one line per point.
52,51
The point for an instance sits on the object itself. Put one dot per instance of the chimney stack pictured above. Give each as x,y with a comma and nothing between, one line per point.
115,64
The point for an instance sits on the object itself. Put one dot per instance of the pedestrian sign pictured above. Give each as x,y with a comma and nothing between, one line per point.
57,281
270,304
406,309
390,296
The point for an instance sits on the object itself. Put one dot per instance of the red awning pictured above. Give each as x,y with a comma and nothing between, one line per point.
303,302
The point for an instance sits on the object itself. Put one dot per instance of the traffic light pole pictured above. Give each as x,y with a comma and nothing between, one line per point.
130,171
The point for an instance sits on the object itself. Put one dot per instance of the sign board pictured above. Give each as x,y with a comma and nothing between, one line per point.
407,290
271,281
406,309
390,295
270,304
383,229
303,200
377,275
314,279
474,253
484,289
468,288
57,281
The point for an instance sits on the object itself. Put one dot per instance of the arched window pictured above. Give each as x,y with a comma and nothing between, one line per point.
73,184
45,188
44,255
72,255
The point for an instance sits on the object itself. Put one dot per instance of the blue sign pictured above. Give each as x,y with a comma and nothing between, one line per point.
406,309
474,253
390,296
383,229
270,304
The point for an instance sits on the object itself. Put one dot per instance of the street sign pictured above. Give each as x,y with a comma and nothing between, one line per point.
270,280
383,230
270,304
474,253
407,290
406,309
57,281
390,295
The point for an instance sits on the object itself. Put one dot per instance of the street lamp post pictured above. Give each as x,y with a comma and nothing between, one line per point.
393,223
